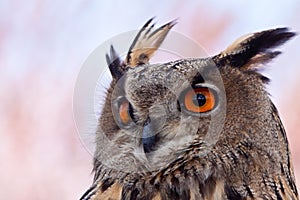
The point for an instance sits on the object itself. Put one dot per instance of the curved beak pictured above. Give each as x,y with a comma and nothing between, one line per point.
148,137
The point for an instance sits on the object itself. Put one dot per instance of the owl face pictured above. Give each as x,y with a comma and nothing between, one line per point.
154,114
160,110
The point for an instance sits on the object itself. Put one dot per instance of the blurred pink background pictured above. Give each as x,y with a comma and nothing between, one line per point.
43,45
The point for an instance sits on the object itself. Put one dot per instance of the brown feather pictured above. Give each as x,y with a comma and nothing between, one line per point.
112,193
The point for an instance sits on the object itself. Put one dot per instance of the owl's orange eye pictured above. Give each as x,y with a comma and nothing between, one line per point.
125,112
199,100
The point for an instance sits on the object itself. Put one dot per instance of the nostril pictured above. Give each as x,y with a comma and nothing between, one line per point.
147,122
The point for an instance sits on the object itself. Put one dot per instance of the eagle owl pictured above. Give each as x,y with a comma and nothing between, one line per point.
196,128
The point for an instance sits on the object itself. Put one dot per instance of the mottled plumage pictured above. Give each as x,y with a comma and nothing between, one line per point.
154,142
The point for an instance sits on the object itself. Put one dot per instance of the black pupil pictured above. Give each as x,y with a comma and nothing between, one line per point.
199,99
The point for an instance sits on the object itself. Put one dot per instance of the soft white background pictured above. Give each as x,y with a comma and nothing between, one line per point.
43,44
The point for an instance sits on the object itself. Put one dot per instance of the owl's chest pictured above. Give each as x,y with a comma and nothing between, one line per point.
170,187
190,189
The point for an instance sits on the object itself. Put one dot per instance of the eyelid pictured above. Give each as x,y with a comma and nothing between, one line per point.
208,85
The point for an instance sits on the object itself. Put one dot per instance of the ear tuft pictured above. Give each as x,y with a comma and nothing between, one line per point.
115,65
254,49
146,43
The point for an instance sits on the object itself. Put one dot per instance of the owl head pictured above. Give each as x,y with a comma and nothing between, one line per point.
159,116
